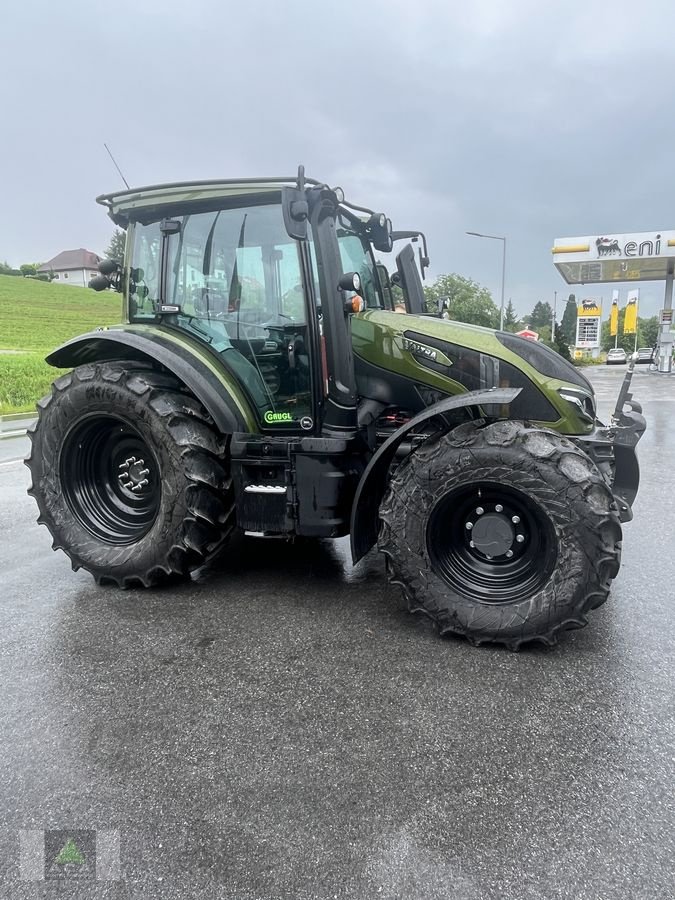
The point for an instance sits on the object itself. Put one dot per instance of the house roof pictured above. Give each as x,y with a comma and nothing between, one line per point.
72,259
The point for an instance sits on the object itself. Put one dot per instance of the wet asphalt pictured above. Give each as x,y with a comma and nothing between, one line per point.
281,727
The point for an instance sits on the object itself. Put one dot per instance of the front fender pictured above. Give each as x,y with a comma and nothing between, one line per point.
205,376
370,491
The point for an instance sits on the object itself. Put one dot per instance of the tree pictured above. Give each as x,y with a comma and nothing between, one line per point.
29,269
569,320
541,316
115,249
467,300
511,321
648,331
545,335
560,343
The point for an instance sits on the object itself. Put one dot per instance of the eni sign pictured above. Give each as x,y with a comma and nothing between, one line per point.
642,256
610,246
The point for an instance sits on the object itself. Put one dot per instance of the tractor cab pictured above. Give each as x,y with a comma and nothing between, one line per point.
267,275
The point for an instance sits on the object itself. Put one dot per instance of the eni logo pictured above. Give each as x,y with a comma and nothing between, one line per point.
610,246
273,418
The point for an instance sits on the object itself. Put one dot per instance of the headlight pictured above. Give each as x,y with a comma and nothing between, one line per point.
584,404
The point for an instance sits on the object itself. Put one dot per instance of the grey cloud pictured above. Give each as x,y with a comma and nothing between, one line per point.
524,119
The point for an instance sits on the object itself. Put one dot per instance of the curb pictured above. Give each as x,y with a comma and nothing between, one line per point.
6,430
13,417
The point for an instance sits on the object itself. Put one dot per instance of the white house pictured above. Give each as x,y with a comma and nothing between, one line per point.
72,267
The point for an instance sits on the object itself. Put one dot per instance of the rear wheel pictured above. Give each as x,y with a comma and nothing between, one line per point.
130,475
506,533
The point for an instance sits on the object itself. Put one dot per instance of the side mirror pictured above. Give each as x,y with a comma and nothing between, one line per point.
385,284
410,281
295,211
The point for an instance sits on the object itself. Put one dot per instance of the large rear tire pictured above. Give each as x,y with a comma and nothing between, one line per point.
130,474
506,533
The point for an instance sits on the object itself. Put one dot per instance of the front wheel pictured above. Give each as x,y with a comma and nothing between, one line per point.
130,474
506,533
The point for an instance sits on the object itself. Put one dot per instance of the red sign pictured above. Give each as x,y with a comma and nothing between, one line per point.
529,334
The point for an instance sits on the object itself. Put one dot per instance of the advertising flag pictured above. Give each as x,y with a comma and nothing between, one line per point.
631,317
614,314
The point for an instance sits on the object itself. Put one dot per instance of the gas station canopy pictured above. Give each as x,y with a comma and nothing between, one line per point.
645,256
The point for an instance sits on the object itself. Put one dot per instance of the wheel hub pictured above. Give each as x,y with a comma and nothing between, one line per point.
111,478
133,474
491,542
495,532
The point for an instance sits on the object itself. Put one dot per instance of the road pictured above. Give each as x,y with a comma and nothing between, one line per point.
282,728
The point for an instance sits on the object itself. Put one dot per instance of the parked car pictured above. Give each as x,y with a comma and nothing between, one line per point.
644,356
616,356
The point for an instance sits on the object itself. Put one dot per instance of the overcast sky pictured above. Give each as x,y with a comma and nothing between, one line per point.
524,118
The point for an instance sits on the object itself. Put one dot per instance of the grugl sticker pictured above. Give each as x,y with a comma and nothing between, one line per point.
275,418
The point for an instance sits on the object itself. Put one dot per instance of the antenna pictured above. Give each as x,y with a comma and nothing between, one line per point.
116,166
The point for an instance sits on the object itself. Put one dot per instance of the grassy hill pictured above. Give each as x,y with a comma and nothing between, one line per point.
35,317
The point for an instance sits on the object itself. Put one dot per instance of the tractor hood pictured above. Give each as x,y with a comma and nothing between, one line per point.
412,361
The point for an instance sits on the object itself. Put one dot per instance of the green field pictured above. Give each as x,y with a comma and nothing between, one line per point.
35,317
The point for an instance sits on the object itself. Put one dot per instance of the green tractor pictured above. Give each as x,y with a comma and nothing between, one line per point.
265,382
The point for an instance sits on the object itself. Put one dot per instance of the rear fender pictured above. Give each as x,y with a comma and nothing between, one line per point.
200,371
365,511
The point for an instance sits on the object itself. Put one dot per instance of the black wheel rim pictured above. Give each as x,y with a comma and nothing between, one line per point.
491,543
110,479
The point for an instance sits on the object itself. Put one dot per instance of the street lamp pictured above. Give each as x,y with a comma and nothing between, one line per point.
494,237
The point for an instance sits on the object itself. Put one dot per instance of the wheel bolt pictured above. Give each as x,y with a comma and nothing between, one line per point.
124,465
509,553
499,508
469,526
144,472
515,519
471,544
520,538
479,510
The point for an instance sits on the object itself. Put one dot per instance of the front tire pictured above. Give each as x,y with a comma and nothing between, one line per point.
506,533
130,474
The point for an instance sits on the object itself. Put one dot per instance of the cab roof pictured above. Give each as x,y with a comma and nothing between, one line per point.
129,204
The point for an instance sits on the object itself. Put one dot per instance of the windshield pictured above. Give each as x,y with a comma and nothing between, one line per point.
237,266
